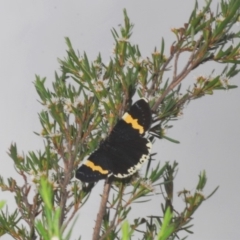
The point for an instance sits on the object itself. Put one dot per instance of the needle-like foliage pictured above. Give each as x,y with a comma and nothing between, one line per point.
85,102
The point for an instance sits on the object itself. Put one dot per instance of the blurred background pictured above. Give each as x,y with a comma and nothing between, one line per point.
32,38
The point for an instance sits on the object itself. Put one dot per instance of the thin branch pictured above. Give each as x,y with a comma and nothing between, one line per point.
191,62
76,208
186,70
70,168
164,66
102,210
112,225
176,65
168,61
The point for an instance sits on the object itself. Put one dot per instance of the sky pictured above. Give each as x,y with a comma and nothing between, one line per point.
32,39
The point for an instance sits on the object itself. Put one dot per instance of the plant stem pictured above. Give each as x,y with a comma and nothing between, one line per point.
102,210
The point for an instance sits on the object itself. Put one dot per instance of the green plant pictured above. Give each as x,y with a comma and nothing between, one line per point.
83,106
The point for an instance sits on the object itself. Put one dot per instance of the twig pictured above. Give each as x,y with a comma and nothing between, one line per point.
164,66
176,65
68,168
181,75
102,210
67,221
112,225
72,158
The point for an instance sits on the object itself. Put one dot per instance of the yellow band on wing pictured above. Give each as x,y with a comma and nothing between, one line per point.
94,167
128,119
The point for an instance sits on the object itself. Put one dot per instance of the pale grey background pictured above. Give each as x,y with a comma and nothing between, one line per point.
32,38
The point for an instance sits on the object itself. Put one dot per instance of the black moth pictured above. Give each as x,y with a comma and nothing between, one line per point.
124,151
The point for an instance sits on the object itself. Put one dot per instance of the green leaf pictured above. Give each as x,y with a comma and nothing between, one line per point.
2,203
166,228
125,231
202,181
170,139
